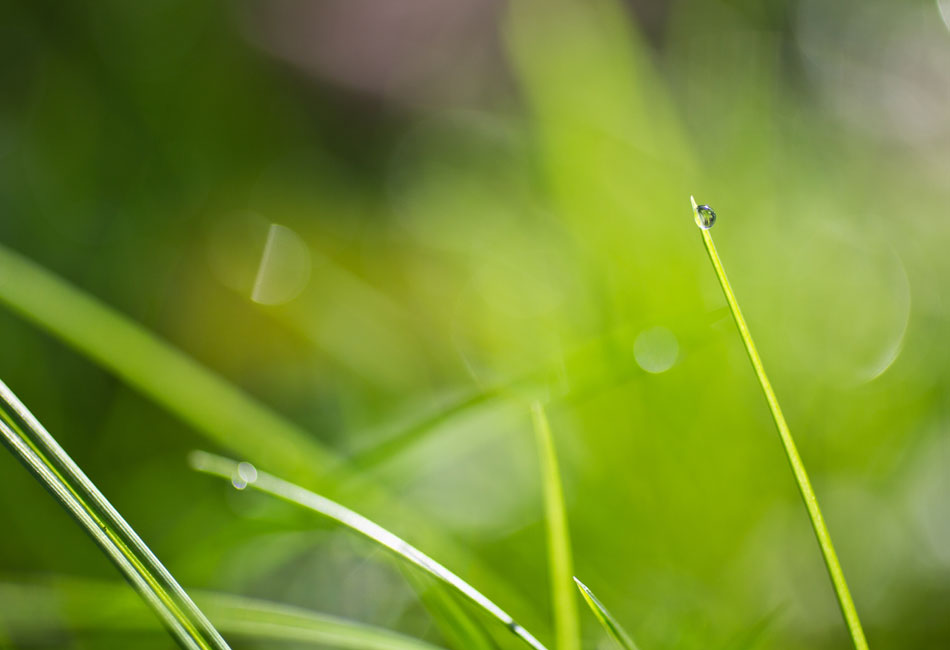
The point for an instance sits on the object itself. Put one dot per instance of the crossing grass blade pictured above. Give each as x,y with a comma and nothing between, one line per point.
842,592
259,480
563,599
26,439
614,629
32,608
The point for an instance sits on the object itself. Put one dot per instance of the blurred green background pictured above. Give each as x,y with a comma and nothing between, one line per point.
395,223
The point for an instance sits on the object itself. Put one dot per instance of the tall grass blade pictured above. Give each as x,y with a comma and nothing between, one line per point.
51,465
614,629
563,598
232,470
845,601
34,608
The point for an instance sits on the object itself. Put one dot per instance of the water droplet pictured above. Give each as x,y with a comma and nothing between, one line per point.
705,217
244,475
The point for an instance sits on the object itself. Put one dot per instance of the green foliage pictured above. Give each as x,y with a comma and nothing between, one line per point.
37,608
480,204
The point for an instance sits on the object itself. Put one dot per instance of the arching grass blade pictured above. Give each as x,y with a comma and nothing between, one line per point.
614,629
26,438
251,477
563,598
848,610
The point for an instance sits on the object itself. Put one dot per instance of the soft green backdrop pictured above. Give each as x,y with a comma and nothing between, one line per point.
395,228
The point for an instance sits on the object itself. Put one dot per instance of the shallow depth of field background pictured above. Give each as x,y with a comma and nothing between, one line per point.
396,223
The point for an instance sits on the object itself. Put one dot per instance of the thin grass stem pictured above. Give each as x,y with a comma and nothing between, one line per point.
26,438
845,601
245,475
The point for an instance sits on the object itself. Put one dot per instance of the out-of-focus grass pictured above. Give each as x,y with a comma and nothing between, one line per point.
560,558
455,246
37,608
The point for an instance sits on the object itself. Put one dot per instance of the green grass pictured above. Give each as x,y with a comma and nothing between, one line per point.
216,409
614,629
26,438
563,598
842,592
269,484
43,605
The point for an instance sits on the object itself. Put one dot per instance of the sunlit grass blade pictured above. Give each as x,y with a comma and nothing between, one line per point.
563,599
26,438
457,626
229,469
216,409
31,609
614,629
845,601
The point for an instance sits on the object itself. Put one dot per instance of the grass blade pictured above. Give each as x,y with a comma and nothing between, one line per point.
51,465
845,601
614,629
563,599
229,469
31,608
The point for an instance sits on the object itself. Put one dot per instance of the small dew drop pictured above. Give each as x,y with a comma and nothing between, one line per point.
244,475
705,217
